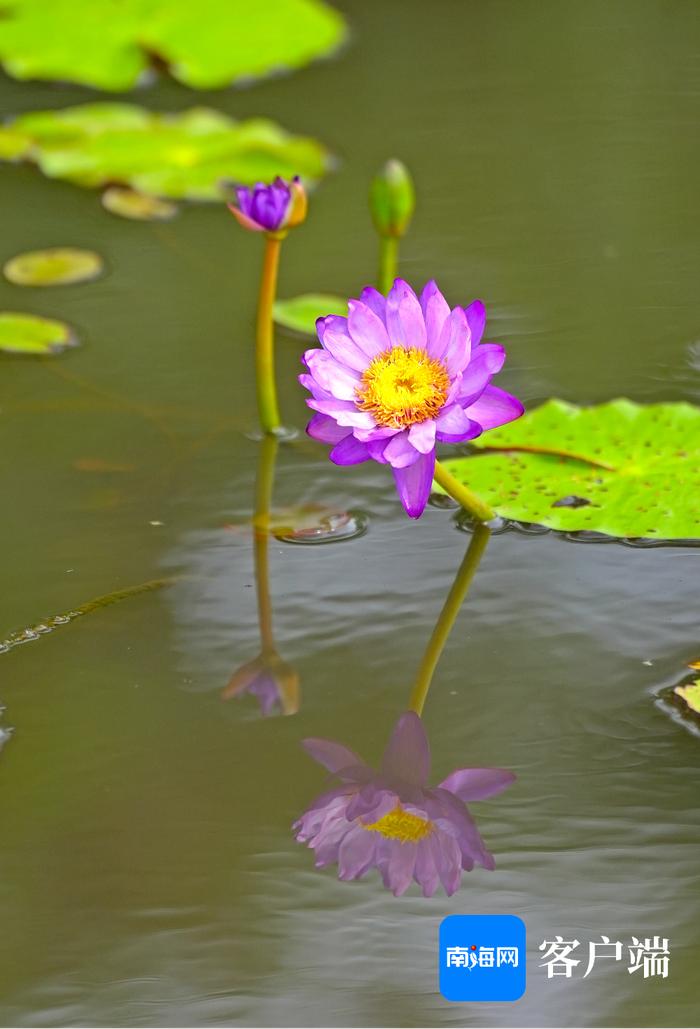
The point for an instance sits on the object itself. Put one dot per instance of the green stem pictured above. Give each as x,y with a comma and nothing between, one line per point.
261,534
446,620
388,262
463,495
265,343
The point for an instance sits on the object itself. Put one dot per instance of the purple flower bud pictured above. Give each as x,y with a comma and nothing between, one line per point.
270,208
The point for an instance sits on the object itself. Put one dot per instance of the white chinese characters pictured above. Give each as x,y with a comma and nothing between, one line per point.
651,955
484,957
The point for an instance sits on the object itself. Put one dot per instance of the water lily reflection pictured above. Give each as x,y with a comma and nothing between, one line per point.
392,821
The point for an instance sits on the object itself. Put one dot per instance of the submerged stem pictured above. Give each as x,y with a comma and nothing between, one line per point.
265,343
388,262
463,495
446,619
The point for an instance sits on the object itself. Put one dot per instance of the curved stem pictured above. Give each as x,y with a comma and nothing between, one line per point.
463,495
264,483
388,262
446,619
265,343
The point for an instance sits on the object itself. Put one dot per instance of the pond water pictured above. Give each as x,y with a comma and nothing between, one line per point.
148,875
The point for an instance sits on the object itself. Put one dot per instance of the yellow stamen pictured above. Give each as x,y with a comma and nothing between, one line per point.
401,825
402,387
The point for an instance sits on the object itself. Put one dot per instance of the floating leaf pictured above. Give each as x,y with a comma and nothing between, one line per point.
691,695
13,145
636,467
300,313
111,45
31,334
128,203
58,266
191,154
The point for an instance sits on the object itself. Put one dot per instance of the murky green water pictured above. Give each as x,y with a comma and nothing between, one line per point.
147,872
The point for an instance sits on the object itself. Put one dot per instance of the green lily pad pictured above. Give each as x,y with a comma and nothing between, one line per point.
690,694
622,469
129,203
192,154
112,44
300,313
33,335
57,266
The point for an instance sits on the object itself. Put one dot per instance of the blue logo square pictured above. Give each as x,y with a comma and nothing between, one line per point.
482,957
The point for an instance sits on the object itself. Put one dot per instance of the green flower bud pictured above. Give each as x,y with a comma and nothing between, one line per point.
392,199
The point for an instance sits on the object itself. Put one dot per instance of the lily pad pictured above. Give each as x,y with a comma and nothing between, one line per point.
300,313
57,266
128,203
31,334
192,154
622,469
690,694
112,44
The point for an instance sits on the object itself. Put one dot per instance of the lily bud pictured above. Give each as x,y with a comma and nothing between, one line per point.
392,199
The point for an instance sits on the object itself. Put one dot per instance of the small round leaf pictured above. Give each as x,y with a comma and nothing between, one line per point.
33,335
57,266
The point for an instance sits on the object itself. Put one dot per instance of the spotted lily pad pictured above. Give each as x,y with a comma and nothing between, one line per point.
112,44
622,469
31,334
128,203
57,266
191,154
300,313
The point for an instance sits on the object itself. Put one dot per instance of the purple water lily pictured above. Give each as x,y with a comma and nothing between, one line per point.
390,820
399,375
270,207
272,681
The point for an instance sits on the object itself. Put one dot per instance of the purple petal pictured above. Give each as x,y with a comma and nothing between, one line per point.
378,432
448,861
426,874
326,429
407,754
333,756
356,853
398,872
375,301
399,452
486,360
477,783
453,426
414,483
376,448
495,407
367,330
337,379
404,318
435,310
476,316
344,412
308,382
455,342
422,436
334,336
349,451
